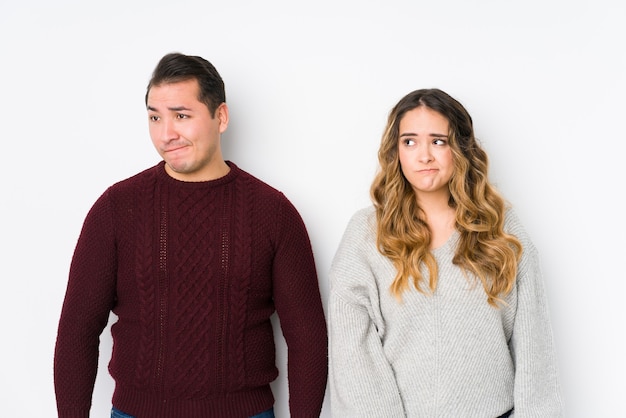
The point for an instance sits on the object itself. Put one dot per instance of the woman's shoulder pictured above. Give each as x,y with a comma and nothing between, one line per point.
514,226
364,214
363,221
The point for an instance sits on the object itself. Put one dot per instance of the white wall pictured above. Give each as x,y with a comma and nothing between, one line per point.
309,88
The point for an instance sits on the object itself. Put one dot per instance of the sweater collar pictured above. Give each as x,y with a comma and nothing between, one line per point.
229,177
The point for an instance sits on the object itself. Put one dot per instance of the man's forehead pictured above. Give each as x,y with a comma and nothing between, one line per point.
173,96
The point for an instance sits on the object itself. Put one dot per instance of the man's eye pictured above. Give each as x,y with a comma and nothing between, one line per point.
181,116
154,118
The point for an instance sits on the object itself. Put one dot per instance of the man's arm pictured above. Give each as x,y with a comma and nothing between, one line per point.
88,300
299,306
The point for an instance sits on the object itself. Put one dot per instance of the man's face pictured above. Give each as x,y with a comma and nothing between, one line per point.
184,133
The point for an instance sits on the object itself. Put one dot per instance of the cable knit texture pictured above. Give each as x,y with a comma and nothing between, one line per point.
447,354
193,272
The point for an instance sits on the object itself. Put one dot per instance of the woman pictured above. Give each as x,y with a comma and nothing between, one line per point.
437,307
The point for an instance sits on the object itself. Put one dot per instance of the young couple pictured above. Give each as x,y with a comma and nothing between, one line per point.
436,308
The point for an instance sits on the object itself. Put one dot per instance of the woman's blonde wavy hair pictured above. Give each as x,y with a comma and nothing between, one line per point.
484,249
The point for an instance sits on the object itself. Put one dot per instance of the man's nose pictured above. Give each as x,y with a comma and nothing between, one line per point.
168,131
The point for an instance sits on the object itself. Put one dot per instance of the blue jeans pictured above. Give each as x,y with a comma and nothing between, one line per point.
115,413
265,414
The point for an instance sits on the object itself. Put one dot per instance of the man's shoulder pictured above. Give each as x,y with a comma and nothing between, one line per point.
134,181
265,197
257,185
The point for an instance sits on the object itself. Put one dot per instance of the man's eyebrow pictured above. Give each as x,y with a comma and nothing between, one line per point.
178,108
173,109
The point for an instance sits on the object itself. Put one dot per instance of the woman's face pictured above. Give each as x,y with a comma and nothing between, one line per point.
424,151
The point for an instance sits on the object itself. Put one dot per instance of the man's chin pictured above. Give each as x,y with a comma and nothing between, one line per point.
177,169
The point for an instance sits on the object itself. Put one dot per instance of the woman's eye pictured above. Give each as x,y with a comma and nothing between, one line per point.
439,141
408,142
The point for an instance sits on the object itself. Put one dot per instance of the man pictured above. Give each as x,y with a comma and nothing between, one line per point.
193,255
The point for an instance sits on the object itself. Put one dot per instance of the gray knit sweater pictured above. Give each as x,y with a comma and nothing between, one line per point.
447,354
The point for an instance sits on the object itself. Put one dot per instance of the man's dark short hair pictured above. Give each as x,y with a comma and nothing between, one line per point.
176,67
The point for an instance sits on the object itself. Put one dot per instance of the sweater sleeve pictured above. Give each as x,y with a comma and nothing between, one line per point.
88,300
299,307
536,390
362,381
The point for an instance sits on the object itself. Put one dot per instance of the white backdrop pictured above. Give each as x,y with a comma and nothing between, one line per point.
309,87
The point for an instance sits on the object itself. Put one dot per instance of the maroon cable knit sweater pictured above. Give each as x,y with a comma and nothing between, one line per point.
193,272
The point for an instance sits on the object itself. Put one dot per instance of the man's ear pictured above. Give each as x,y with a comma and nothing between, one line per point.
221,113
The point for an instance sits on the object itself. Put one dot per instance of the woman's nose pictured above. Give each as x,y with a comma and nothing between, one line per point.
424,154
